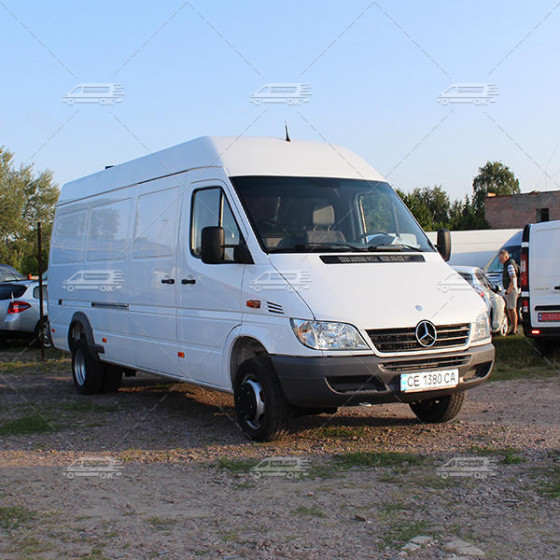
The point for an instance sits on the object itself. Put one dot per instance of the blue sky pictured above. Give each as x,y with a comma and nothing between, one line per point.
374,69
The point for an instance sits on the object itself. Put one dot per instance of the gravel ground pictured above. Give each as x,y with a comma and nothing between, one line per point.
181,483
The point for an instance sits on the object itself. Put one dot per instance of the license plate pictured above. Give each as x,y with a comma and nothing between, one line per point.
427,380
543,317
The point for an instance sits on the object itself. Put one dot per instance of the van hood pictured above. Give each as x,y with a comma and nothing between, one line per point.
375,290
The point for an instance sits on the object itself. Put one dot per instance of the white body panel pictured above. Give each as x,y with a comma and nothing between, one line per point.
544,273
163,310
475,247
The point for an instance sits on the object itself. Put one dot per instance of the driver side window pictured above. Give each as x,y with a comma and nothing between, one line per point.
210,207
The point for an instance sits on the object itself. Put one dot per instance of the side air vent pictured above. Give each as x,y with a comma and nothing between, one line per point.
275,308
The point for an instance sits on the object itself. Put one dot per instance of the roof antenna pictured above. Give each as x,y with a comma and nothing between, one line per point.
287,133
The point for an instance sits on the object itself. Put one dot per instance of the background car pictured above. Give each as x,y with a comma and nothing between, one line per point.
8,273
19,310
495,303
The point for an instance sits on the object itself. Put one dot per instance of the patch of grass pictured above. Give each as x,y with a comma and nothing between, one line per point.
510,458
32,424
11,517
95,554
236,465
85,406
230,536
161,523
509,455
309,511
341,431
378,459
517,358
401,533
550,487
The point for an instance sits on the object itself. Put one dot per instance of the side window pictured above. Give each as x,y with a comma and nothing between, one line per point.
211,208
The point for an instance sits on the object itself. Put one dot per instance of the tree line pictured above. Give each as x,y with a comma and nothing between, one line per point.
433,209
27,197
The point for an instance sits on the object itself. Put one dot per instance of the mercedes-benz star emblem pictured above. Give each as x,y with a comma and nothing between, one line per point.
426,334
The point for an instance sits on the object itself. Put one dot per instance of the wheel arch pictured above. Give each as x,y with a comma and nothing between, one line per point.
244,348
80,328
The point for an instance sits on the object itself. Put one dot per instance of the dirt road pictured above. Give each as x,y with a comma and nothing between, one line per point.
180,479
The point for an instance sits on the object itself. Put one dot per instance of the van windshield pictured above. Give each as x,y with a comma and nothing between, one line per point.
299,214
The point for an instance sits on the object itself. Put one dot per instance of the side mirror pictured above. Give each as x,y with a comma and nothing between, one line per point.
443,244
212,245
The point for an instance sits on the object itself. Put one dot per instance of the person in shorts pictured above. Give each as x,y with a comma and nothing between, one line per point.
510,277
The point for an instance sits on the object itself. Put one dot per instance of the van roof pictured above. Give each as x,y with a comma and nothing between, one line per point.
238,156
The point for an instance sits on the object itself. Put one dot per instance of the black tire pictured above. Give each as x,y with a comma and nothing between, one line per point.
112,380
262,410
88,373
43,333
441,409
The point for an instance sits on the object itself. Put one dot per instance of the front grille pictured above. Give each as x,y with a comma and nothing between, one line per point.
424,364
404,340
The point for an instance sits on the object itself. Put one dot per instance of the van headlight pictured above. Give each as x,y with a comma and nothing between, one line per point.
481,328
323,335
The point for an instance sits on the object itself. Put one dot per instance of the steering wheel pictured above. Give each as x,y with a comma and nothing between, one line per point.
373,234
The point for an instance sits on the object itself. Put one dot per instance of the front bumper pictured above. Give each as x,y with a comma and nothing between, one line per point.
353,380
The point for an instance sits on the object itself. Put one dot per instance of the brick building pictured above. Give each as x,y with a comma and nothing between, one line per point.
516,210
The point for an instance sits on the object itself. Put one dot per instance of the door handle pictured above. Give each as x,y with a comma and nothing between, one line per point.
185,281
557,287
168,281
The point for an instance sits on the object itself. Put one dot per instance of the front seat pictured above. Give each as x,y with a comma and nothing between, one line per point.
323,222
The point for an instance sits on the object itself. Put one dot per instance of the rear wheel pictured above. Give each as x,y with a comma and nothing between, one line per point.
42,334
504,327
262,410
439,410
88,373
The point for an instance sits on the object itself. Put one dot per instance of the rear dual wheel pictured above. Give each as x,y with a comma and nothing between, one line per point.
90,375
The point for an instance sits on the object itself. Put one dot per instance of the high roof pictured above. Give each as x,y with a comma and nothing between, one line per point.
238,156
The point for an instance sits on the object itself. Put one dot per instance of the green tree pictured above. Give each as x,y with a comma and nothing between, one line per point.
25,199
496,178
430,206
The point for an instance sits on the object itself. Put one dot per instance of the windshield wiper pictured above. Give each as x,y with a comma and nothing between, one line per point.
319,247
390,248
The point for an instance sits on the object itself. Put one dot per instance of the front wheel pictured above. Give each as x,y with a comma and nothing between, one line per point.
441,409
262,410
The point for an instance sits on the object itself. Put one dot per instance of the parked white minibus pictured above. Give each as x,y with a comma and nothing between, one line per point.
203,236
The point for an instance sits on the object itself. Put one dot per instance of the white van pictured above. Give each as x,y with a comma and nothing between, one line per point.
192,228
540,283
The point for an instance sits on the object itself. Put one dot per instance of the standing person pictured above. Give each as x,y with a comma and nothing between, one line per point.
510,275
